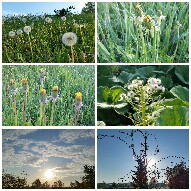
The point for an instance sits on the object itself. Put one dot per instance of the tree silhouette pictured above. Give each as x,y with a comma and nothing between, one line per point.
36,184
88,180
11,181
45,185
64,12
58,184
178,176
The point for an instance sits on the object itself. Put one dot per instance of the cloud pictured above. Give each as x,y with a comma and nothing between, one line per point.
70,136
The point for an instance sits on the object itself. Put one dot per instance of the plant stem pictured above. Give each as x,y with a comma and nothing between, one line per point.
143,108
154,44
30,46
52,113
72,54
44,115
25,107
15,109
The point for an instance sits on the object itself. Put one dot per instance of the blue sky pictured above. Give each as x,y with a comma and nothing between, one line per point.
115,158
63,152
15,8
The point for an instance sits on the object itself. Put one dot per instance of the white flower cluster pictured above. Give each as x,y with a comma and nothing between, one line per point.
26,29
153,85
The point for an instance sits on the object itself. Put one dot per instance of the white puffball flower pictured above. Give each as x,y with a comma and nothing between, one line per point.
63,18
11,33
27,29
48,20
69,39
130,87
19,32
130,94
24,20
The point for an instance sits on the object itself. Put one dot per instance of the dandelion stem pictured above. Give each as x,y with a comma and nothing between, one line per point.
30,46
44,115
154,44
52,113
72,54
15,109
25,107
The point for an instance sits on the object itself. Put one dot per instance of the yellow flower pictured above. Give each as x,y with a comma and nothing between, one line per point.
42,92
147,19
55,88
41,70
24,81
78,96
12,82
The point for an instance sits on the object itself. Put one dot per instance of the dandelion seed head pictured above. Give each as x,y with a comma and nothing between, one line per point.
24,20
11,33
27,29
48,20
19,32
63,18
69,39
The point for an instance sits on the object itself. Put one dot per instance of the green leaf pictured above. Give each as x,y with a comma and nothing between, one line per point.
176,116
146,72
104,52
182,73
173,102
180,92
166,81
124,77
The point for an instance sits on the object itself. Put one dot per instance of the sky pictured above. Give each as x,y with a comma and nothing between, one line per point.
115,158
24,8
38,152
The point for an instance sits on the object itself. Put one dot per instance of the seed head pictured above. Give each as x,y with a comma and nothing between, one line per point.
48,20
55,92
69,39
25,84
43,99
27,29
63,18
19,32
11,33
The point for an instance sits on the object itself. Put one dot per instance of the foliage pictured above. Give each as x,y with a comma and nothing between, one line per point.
69,79
88,180
64,12
148,32
44,43
10,181
115,87
89,7
178,176
58,184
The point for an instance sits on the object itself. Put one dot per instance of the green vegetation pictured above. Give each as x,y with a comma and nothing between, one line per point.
39,39
143,95
143,33
48,95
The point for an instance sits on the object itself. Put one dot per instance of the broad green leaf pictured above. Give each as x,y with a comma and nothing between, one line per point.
180,92
173,102
176,116
166,81
182,73
115,93
124,77
146,72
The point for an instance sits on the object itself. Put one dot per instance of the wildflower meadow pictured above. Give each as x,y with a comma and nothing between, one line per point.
48,95
143,32
63,37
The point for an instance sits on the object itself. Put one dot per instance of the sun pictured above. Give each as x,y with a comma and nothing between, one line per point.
151,162
49,174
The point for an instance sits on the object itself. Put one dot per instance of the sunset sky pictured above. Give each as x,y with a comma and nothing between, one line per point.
115,158
49,155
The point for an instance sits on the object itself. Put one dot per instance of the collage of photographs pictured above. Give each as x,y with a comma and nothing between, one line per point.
95,95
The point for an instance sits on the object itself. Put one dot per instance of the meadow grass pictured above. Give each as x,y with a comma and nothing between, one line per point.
123,36
69,79
44,43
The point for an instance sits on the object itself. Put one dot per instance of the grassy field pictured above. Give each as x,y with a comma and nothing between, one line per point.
69,79
143,33
44,43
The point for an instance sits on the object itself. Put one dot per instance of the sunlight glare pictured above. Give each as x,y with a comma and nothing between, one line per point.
49,174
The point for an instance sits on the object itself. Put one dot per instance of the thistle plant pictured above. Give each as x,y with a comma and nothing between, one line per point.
25,90
77,105
43,100
13,91
143,100
54,97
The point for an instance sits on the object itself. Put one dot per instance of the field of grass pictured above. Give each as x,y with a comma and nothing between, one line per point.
143,33
69,79
44,43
